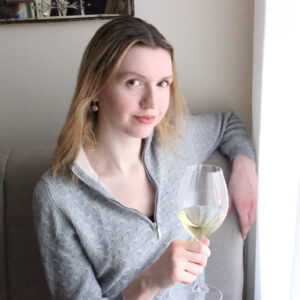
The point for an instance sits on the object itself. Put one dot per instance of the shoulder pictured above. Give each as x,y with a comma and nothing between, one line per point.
201,125
206,125
50,183
49,190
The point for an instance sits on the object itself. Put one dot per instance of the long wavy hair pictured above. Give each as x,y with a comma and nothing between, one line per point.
100,61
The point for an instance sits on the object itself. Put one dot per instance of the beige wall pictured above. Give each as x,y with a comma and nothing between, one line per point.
39,62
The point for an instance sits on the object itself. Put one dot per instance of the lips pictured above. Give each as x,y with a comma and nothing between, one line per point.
145,119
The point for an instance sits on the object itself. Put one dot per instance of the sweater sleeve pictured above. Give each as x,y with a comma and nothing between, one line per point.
68,271
222,131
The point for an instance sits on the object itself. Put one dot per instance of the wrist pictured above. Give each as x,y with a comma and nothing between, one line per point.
241,161
141,288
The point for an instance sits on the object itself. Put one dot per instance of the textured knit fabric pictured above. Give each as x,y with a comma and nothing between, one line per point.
92,246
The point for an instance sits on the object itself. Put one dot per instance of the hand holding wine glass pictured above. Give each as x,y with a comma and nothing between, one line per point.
202,204
181,262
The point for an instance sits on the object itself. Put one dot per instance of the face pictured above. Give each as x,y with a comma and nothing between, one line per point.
137,97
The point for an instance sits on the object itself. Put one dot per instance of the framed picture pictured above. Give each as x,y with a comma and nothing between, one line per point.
18,11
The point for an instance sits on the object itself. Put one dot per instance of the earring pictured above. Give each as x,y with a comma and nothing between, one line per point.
95,106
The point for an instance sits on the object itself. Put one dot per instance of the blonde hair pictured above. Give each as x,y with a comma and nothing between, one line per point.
100,61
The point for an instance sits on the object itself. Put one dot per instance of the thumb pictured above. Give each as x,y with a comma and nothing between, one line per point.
244,233
206,241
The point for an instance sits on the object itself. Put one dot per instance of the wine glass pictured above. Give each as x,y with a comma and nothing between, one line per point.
202,204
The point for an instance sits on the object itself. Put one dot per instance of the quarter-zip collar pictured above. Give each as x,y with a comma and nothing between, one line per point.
83,163
85,172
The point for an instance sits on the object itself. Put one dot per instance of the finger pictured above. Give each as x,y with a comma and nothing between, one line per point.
188,278
206,241
244,225
194,269
244,233
196,258
252,216
195,246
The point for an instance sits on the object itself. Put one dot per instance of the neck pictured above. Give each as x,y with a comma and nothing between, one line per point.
118,154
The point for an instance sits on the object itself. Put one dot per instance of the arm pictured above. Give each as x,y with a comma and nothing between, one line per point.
242,191
68,271
223,131
242,187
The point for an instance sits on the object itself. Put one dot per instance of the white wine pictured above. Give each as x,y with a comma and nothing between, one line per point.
201,221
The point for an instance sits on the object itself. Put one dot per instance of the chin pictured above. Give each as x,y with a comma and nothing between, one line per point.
142,133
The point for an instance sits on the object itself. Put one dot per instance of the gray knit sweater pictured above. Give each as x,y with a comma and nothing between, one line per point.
92,246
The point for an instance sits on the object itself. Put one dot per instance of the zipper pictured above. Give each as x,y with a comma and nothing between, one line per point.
157,230
156,190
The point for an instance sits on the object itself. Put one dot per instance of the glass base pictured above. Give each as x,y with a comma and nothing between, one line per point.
194,292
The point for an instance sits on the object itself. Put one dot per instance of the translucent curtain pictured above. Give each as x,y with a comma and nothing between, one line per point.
276,100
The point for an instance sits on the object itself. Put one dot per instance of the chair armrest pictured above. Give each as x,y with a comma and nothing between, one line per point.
225,268
4,153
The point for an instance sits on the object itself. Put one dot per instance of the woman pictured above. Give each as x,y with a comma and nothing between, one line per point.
105,213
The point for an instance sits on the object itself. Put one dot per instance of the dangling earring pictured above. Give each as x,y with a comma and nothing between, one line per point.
95,106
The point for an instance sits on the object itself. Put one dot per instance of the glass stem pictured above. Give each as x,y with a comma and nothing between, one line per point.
199,284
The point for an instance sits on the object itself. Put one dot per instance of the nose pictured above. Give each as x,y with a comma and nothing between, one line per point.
149,100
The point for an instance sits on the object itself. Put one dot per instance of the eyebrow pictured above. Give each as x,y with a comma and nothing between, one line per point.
122,74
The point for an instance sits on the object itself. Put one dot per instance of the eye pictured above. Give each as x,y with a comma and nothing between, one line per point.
164,83
133,82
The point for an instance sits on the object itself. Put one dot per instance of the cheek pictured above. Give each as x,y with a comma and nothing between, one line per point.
125,103
164,104
116,104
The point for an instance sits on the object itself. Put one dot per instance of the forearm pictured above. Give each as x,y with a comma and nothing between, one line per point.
243,191
141,288
241,163
243,177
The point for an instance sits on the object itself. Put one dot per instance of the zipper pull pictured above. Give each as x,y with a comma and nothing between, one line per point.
158,230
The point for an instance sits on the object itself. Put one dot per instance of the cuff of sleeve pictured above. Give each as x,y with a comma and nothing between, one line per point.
242,151
118,297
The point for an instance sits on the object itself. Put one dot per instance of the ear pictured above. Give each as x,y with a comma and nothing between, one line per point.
97,100
95,106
